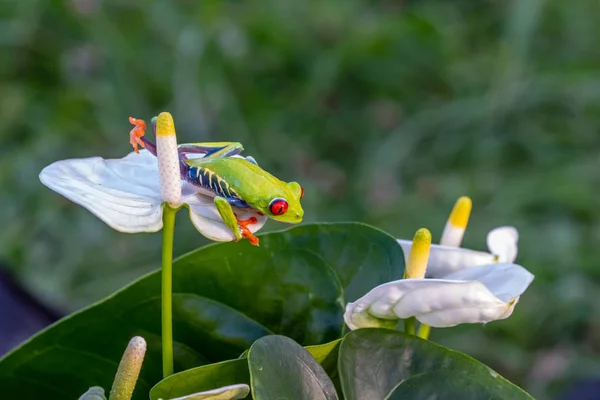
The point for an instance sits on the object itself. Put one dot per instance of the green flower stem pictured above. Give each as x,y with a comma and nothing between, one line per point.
167,289
424,331
409,325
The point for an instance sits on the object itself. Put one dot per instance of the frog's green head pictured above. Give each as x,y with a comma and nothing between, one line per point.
285,207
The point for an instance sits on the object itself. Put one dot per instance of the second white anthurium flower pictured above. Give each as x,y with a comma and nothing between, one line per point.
448,256
129,193
453,293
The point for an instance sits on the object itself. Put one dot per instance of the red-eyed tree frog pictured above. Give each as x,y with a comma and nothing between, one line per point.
232,180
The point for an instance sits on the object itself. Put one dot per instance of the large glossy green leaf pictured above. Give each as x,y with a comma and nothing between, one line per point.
281,369
385,364
451,386
362,258
226,296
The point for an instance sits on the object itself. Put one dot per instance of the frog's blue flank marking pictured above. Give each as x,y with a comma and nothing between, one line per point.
208,180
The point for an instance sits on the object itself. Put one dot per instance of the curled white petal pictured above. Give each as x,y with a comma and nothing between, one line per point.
231,392
507,281
446,259
356,319
123,193
474,295
503,242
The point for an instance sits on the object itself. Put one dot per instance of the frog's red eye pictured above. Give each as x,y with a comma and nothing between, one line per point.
278,206
301,192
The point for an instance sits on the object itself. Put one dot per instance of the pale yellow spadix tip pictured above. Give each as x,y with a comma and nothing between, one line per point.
165,125
459,217
419,255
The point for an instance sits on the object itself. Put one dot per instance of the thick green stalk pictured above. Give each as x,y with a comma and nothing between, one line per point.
424,331
167,289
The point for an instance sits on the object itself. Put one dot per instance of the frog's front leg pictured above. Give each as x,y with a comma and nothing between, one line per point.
136,136
210,149
239,227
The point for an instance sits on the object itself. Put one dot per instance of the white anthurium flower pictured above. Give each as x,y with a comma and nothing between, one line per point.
464,286
502,244
231,392
448,257
129,193
479,294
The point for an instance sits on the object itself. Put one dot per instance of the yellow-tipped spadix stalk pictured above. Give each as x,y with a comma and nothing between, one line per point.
419,255
457,223
129,369
168,159
416,266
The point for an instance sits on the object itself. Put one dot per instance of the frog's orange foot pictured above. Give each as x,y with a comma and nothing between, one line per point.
135,135
246,232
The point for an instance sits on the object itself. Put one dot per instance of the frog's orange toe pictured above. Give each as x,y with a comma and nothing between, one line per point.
246,232
135,135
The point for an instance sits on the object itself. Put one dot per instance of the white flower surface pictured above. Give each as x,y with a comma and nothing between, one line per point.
478,294
126,194
502,243
231,392
460,286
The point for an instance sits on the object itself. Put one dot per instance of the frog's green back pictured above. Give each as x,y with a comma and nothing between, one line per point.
253,184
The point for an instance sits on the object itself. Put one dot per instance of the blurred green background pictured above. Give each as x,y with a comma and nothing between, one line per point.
385,111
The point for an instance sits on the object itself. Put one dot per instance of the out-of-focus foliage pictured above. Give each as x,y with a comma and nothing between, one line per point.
385,111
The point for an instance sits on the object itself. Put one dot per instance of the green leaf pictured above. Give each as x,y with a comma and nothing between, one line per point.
385,364
201,379
234,371
450,386
226,296
327,355
281,369
361,256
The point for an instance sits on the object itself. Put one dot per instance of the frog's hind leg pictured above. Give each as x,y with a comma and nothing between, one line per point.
211,149
213,152
239,227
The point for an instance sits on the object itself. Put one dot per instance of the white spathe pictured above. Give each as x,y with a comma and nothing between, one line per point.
461,286
478,294
502,243
231,392
126,194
